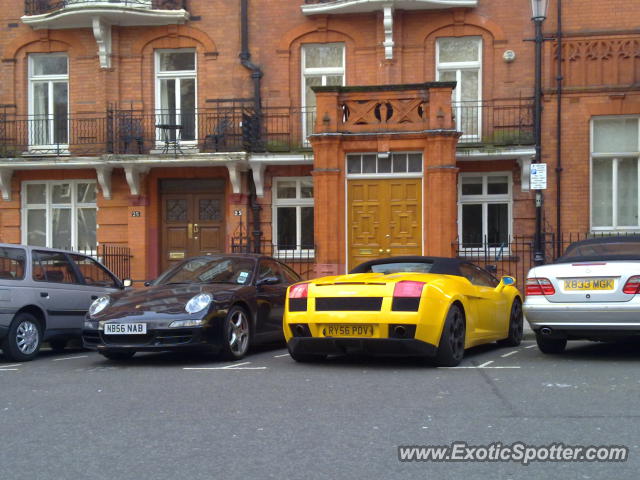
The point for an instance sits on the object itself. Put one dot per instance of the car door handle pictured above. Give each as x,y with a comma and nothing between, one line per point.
44,294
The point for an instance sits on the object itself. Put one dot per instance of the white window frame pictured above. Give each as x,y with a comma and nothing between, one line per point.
382,175
177,75
486,199
456,97
297,202
324,72
34,79
74,206
615,158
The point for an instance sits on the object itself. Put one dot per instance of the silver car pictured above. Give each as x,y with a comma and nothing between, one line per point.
591,292
44,295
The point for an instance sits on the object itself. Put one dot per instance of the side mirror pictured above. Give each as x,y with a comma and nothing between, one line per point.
508,281
268,281
148,283
491,269
127,282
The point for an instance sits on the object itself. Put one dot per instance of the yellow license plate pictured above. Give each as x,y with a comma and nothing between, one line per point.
348,331
588,284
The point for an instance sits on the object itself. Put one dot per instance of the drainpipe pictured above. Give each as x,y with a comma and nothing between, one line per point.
559,133
256,75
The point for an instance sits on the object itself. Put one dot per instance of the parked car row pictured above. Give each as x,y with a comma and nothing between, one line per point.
428,307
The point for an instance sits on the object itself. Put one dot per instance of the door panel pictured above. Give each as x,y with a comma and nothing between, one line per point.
192,224
385,219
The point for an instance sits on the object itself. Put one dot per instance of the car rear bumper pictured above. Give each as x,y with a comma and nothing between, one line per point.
195,338
583,316
371,346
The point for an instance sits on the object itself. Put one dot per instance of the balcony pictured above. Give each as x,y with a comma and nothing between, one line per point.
226,127
314,7
234,126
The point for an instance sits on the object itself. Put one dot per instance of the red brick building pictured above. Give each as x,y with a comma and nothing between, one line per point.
323,130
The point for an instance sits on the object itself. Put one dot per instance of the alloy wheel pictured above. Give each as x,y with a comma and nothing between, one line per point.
27,337
238,334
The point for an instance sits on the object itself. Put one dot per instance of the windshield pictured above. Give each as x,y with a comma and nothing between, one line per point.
210,270
604,250
387,268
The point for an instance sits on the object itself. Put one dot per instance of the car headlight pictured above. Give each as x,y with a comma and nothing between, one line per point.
98,305
186,323
198,303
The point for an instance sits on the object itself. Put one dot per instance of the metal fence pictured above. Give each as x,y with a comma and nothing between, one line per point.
115,257
299,259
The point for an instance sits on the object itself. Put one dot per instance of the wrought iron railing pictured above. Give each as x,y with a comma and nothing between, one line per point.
115,257
38,7
299,258
497,122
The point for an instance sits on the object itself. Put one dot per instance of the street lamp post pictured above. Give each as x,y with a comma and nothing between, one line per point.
538,15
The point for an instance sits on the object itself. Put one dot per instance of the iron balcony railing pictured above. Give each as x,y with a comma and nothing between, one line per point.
225,127
496,122
300,258
38,7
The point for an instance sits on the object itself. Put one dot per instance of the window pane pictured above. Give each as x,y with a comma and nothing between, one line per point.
36,194
627,192
602,189
307,227
471,185
53,267
36,228
286,189
61,193
12,263
384,165
399,162
286,228
306,188
447,76
415,162
615,135
86,229
60,95
168,97
319,56
369,164
469,86
173,61
188,108
92,273
353,164
334,80
462,49
61,228
497,185
86,193
39,128
310,97
497,224
472,226
50,65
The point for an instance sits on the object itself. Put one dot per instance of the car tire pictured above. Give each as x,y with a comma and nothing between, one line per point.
24,338
57,346
117,355
516,326
236,334
451,346
550,345
306,357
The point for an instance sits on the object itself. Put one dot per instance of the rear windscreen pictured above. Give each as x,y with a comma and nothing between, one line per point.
612,249
11,263
386,268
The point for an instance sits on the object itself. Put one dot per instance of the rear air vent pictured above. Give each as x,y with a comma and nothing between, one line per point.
353,304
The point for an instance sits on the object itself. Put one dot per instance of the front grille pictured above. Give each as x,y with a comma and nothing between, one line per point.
354,304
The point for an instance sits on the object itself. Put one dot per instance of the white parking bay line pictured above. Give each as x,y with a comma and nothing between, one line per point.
532,346
235,366
279,356
509,354
70,358
479,366
485,364
4,367
8,369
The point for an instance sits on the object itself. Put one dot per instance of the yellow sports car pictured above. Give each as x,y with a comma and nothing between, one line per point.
416,306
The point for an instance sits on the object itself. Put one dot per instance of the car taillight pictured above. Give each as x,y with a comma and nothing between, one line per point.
300,290
408,288
632,286
539,286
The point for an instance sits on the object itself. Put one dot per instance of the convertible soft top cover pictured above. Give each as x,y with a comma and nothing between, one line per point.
618,247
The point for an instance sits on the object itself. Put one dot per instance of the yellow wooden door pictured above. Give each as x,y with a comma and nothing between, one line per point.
384,219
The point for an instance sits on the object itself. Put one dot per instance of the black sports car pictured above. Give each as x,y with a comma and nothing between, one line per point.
223,303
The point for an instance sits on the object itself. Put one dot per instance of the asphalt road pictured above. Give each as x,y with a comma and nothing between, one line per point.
164,416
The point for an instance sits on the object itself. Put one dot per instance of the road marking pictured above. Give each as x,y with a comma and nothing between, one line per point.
70,358
235,366
9,366
279,356
8,369
485,364
509,354
480,366
531,346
